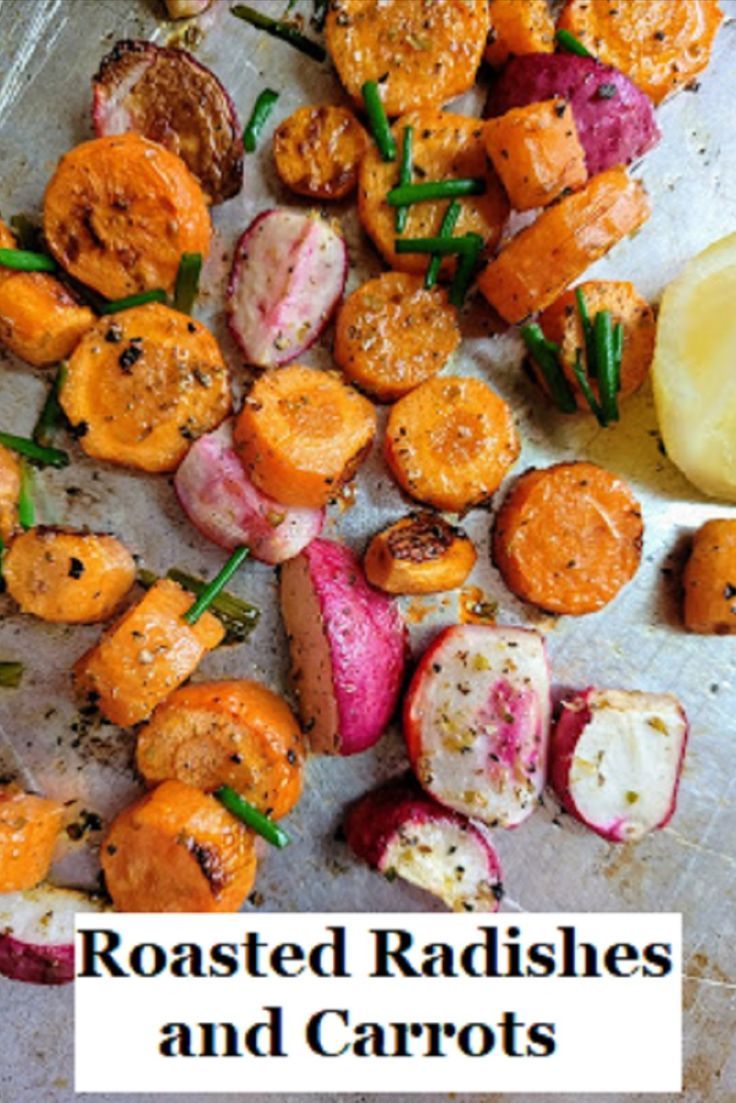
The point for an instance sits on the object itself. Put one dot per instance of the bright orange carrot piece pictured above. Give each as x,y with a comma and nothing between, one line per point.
9,491
709,580
29,826
519,27
419,554
318,149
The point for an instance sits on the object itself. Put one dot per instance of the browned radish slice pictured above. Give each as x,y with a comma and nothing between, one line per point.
37,933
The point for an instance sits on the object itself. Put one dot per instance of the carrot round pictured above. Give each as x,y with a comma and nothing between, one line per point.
146,654
419,554
144,383
709,580
391,334
450,442
226,733
318,149
178,850
68,577
568,537
661,45
120,211
302,434
29,826
519,27
9,491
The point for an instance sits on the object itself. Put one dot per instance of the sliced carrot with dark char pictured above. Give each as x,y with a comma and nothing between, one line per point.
29,826
178,850
709,579
419,554
519,27
450,442
120,211
318,149
144,383
567,538
9,492
226,733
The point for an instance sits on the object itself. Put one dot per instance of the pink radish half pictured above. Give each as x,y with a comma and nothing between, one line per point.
37,933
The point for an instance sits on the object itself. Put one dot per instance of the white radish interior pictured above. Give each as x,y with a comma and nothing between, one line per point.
446,860
43,916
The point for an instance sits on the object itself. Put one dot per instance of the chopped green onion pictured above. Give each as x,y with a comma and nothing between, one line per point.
187,282
22,260
157,295
52,416
570,44
587,327
252,817
618,351
48,457
278,29
605,365
406,171
436,189
441,246
27,233
238,617
218,583
26,505
378,121
585,387
262,108
447,225
545,355
11,674
464,272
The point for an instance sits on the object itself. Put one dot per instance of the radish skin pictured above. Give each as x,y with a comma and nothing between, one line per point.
37,933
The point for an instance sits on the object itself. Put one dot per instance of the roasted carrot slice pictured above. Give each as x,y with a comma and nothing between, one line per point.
660,45
318,149
536,152
391,334
146,654
568,537
709,580
120,211
178,850
519,27
226,733
144,383
450,442
539,263
419,554
9,491
445,146
561,324
421,53
302,434
69,577
29,826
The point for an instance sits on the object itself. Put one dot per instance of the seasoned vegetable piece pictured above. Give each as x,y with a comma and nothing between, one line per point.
450,442
561,324
391,334
402,832
144,383
40,320
226,733
420,554
288,274
230,510
539,263
709,580
661,46
66,576
317,151
616,759
9,491
29,826
141,658
421,53
171,98
568,537
476,721
347,644
178,850
37,933
519,27
302,434
536,152
185,9
120,211
445,146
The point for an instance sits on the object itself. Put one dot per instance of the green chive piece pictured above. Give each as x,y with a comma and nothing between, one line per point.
464,272
406,171
52,417
187,282
11,674
262,108
618,351
570,44
22,260
27,232
603,339
26,505
319,15
545,355
378,121
48,457
587,327
278,29
447,226
442,246
585,387
436,189
157,295
238,617
251,816
218,583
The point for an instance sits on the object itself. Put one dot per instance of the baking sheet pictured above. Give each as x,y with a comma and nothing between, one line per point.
48,51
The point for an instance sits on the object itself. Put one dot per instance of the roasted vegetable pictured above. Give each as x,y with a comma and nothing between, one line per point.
9,492
317,151
709,579
29,826
519,27
37,933
420,554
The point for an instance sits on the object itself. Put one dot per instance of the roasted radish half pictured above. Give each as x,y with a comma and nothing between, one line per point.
420,554
402,832
37,933
288,274
228,509
347,645
616,758
476,721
